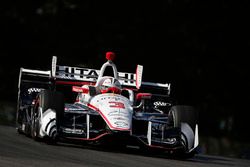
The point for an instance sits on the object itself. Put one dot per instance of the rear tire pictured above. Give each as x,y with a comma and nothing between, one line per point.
35,127
20,121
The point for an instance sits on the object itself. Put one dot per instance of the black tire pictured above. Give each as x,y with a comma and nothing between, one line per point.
47,99
184,114
19,121
35,127
23,125
181,113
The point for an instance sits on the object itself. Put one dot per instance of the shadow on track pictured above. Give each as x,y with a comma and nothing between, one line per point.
198,158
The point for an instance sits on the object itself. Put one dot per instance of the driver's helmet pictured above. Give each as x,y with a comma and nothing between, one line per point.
110,85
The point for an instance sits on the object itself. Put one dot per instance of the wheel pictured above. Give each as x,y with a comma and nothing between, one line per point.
185,118
19,121
45,100
23,125
181,114
35,122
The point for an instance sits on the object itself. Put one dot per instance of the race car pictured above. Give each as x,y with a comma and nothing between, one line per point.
97,106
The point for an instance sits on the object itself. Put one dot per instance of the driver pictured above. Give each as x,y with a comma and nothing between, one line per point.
110,85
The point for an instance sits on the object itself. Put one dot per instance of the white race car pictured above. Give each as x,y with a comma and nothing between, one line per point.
88,105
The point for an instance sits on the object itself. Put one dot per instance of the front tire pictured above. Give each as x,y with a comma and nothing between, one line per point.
185,118
47,99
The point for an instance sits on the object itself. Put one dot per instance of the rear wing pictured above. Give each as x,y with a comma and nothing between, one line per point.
126,79
87,74
29,76
31,82
90,75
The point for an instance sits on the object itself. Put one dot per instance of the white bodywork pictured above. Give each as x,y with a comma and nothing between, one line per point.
47,122
114,109
192,136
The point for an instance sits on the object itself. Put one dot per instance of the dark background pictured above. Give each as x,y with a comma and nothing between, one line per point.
201,48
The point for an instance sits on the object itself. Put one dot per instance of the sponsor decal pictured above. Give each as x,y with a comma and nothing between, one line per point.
74,131
128,78
161,104
118,113
120,118
76,73
112,113
110,97
80,89
32,90
86,74
115,104
121,124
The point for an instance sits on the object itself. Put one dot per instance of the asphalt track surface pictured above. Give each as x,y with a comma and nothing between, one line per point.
21,151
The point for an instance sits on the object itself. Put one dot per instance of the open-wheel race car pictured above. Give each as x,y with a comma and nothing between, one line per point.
87,105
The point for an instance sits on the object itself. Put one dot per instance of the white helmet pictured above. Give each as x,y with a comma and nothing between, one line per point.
110,85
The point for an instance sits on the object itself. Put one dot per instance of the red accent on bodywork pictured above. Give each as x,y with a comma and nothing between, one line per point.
74,83
112,90
110,56
80,89
101,135
165,148
93,107
140,96
116,104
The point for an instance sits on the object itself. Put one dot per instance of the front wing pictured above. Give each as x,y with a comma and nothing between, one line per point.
84,124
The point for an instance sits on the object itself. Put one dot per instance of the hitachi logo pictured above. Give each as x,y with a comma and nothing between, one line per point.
86,74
